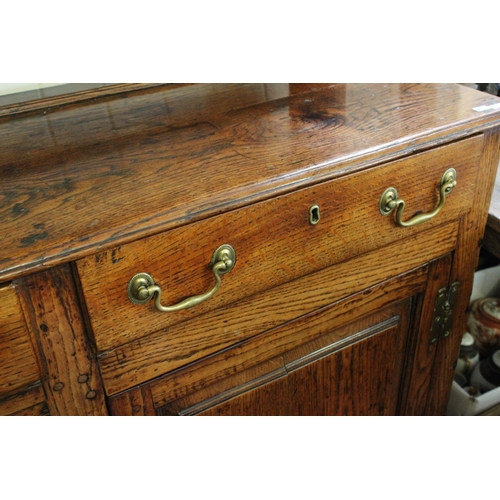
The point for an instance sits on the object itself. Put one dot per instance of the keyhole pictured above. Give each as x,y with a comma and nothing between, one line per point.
314,215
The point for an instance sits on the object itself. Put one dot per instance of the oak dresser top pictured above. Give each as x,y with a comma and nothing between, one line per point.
80,178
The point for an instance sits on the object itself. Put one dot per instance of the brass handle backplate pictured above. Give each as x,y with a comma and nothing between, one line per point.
141,288
389,201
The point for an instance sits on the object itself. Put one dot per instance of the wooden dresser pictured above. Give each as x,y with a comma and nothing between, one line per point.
241,249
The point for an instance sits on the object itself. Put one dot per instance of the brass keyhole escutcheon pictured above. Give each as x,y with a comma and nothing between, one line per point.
314,215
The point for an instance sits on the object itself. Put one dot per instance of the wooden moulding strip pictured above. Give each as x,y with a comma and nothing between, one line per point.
64,95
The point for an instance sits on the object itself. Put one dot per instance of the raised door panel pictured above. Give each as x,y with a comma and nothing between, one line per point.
351,370
359,379
267,400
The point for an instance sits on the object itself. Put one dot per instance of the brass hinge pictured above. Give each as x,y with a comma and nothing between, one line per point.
443,312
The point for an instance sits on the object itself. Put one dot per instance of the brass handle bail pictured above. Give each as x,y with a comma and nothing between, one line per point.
141,288
390,201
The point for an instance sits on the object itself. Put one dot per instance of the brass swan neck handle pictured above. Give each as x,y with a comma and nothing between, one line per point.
141,288
389,201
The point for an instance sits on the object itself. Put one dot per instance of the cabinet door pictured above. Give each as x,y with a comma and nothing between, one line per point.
352,371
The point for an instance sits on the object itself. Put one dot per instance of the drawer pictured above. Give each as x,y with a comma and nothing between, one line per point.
274,241
18,365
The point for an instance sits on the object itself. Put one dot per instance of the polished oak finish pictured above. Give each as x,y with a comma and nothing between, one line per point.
92,177
328,309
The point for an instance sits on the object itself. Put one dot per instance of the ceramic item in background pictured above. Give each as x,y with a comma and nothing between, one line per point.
469,355
484,324
486,375
460,379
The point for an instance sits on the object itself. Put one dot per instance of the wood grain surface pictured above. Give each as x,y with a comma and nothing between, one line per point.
18,364
277,353
492,233
29,401
46,99
275,381
79,179
470,236
71,378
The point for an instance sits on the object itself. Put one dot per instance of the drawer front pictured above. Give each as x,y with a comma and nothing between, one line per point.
274,242
18,365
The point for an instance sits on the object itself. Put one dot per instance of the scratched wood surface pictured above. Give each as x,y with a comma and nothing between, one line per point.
82,178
